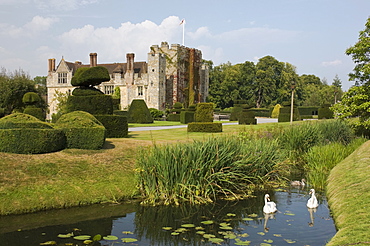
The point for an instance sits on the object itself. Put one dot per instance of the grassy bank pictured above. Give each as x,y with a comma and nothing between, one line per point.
349,198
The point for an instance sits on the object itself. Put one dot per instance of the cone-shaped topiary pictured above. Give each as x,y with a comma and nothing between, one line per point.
139,112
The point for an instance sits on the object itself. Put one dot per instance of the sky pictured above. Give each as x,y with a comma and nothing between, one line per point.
312,35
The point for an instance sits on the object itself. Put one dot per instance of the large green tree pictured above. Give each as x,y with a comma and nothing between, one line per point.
356,102
13,85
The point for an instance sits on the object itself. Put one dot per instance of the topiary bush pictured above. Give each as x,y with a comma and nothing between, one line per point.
275,112
247,117
325,112
116,125
93,104
82,130
139,112
30,99
204,112
89,77
204,127
284,113
24,134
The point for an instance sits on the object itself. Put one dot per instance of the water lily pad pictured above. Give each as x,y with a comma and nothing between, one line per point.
248,219
291,214
268,241
224,224
244,235
82,237
208,235
216,240
226,228
180,230
231,214
110,238
49,243
277,235
265,244
253,215
88,241
65,235
127,232
201,232
240,242
175,233
129,240
188,225
207,222
97,237
261,233
289,241
199,228
167,228
230,236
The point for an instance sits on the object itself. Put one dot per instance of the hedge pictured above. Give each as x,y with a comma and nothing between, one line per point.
116,125
261,112
139,112
82,130
95,104
307,112
31,140
204,112
187,117
21,120
247,117
325,112
284,114
36,112
173,117
204,127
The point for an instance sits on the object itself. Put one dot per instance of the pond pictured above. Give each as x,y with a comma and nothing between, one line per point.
223,223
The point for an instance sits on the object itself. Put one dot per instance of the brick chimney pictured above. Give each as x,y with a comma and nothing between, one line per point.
130,61
93,59
51,65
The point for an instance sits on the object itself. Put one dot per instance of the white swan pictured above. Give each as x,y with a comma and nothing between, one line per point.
270,207
298,183
312,202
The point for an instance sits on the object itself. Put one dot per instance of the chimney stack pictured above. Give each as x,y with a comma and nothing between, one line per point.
52,65
93,59
130,61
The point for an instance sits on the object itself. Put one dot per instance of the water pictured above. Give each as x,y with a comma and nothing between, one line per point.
243,221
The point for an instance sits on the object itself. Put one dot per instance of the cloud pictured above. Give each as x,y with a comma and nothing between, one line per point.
331,63
113,43
62,5
34,27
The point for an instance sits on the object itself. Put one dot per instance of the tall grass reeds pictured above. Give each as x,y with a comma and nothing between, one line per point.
321,159
201,171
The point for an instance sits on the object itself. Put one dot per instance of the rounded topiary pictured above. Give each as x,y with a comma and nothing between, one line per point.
31,98
89,91
89,77
24,134
83,130
275,112
139,112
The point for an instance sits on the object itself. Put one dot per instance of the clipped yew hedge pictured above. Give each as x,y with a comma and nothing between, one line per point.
204,127
93,104
116,125
139,112
24,134
82,130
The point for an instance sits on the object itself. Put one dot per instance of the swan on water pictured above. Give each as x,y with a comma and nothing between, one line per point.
298,183
312,202
270,207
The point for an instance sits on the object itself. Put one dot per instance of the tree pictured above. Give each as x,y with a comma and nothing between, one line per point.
337,86
360,53
12,88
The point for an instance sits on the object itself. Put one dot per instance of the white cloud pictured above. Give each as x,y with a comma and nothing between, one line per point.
62,5
112,44
331,63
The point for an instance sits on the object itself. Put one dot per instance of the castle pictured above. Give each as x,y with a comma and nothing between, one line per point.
171,74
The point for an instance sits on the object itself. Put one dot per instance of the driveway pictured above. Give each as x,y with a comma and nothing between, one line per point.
152,128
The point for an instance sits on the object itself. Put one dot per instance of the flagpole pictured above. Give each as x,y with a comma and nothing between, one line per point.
183,33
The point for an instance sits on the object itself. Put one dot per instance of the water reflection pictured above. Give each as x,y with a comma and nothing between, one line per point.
231,222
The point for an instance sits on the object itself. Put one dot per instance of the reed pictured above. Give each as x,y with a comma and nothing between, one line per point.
199,172
320,160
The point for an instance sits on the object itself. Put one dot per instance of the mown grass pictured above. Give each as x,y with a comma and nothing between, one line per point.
349,197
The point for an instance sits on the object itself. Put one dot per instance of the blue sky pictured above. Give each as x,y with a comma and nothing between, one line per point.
312,35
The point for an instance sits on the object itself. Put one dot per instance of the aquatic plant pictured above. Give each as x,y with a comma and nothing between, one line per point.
199,172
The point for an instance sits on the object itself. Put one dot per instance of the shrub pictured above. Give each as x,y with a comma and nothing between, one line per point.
82,130
187,117
275,112
284,114
24,134
88,77
261,112
139,112
36,112
204,127
94,104
116,125
246,117
173,117
31,98
308,112
204,112
235,112
89,91
155,113
325,112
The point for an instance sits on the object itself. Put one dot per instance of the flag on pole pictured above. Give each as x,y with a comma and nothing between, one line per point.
182,22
